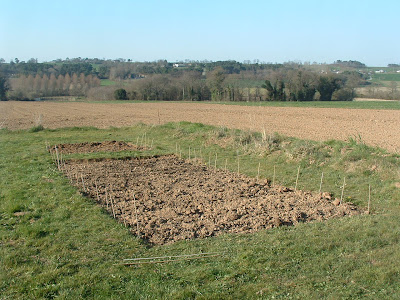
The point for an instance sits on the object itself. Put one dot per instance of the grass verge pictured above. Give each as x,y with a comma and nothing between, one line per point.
54,242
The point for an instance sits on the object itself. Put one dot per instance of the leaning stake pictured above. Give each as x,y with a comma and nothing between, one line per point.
344,183
320,184
297,178
83,184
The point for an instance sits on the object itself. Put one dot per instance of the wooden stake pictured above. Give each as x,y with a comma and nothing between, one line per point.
344,183
97,191
215,162
168,260
136,215
297,178
112,206
176,149
189,153
320,184
273,178
209,160
141,143
238,163
164,259
258,171
53,156
159,119
58,159
369,198
61,161
107,199
83,184
226,163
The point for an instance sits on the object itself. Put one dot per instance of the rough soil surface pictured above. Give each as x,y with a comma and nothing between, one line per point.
376,127
167,199
107,146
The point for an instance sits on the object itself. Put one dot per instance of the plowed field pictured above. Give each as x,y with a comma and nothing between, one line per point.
376,127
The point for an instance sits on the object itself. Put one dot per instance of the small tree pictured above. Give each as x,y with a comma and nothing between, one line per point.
4,87
120,94
326,86
276,92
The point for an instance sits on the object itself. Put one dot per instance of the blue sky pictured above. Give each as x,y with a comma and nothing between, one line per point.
147,30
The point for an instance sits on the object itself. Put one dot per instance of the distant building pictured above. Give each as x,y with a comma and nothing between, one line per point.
179,65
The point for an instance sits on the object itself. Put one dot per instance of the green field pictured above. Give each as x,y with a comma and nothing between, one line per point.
387,77
324,104
57,243
107,82
321,104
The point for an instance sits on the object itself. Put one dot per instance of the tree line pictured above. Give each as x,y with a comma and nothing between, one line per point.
186,80
289,85
31,87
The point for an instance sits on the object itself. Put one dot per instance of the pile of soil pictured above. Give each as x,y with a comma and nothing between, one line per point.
107,146
166,199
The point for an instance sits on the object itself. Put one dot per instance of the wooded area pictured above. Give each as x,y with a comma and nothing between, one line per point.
189,81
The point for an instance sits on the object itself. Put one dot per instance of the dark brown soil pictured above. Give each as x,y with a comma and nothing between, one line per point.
107,146
166,199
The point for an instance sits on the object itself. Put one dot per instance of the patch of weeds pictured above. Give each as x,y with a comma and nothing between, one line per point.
221,132
273,141
300,149
244,138
36,128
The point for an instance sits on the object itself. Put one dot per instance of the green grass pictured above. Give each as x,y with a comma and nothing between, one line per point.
386,77
107,82
390,105
245,83
324,104
56,243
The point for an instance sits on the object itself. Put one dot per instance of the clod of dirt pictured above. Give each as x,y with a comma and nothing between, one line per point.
169,199
107,146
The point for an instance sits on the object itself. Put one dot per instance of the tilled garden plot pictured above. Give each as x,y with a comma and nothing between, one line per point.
166,199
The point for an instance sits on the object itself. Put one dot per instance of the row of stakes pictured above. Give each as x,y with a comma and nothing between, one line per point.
178,150
60,163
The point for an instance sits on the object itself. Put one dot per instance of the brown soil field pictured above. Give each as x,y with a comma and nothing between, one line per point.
165,199
376,127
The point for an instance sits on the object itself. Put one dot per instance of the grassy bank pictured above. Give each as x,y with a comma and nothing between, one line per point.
57,243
